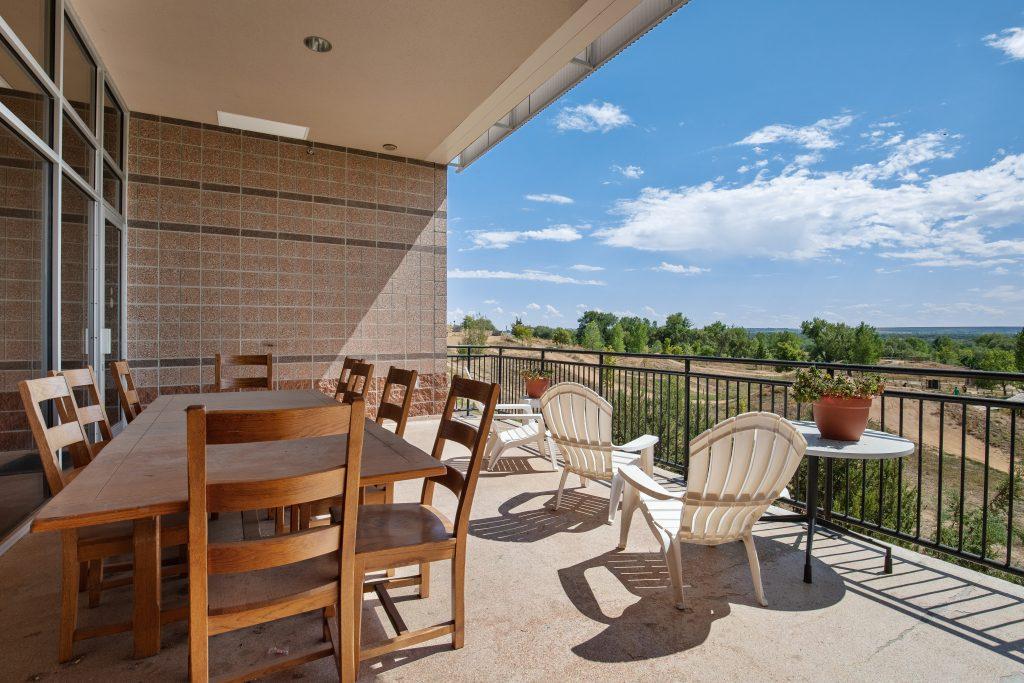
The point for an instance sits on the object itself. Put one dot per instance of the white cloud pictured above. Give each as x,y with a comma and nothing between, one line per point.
502,239
549,198
818,135
592,117
533,307
552,312
1010,41
499,310
650,311
585,268
679,269
530,275
1007,293
946,220
629,171
745,168
456,314
490,301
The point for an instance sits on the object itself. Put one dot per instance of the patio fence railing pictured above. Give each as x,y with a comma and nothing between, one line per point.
960,493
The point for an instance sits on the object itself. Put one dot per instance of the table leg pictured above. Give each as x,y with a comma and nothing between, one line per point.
812,511
146,586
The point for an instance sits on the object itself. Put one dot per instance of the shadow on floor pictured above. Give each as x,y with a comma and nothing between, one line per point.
580,512
715,578
976,611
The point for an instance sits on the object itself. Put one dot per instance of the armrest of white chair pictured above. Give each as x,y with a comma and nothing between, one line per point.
643,483
641,443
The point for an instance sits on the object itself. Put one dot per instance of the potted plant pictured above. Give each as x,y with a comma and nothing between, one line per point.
841,403
537,381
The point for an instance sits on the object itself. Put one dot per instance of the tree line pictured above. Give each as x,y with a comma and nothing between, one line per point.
818,340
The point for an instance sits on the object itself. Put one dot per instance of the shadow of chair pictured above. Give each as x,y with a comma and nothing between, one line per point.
652,627
520,522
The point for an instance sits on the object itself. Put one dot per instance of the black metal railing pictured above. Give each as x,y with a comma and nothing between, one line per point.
960,493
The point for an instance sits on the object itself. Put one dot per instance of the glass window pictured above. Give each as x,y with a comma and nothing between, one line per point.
112,312
77,151
75,230
111,187
24,221
32,23
79,76
23,95
113,124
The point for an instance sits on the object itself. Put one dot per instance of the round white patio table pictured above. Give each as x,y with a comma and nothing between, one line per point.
873,445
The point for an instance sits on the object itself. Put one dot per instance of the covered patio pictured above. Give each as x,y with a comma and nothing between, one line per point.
549,596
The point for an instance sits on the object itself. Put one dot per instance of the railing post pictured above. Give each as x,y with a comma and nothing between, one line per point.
686,418
501,363
543,365
600,375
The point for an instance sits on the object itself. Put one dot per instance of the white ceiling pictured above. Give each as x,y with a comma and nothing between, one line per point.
428,76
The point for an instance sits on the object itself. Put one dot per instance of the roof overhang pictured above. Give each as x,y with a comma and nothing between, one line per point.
437,79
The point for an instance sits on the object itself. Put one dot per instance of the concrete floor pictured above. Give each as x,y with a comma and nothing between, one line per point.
549,598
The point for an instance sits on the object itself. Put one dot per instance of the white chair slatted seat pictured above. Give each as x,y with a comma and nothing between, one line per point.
737,470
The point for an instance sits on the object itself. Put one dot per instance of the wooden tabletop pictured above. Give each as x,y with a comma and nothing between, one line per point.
142,472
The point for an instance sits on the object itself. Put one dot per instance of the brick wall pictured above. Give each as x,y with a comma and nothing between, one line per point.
247,243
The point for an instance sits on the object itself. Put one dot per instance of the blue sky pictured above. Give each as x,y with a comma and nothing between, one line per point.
762,163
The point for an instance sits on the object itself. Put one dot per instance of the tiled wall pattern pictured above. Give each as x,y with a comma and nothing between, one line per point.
247,243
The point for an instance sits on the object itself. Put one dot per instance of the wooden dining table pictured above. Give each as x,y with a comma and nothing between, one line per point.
142,474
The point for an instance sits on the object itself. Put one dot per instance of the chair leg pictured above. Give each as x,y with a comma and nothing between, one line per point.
425,580
551,452
389,498
351,634
69,578
496,451
616,494
561,486
459,599
94,581
630,500
674,558
755,568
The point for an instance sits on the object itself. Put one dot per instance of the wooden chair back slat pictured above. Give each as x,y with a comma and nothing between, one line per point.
222,362
359,379
346,369
126,392
51,440
91,414
473,438
264,553
390,410
205,558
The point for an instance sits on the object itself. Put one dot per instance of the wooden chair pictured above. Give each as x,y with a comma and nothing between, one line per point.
238,584
403,534
221,363
580,422
358,384
346,369
88,547
737,469
399,414
126,392
70,410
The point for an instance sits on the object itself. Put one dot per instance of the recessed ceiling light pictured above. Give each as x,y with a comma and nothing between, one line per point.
317,44
390,147
285,130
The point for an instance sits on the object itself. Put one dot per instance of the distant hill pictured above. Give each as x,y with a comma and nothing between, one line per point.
928,333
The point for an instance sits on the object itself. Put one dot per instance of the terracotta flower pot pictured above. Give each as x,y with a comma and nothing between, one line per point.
536,387
840,418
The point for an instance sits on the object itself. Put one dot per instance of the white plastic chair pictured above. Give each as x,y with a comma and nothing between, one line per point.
737,469
580,423
529,430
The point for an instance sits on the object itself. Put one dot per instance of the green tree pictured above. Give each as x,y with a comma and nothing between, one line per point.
522,331
617,338
591,337
637,333
562,337
840,343
1019,351
867,345
603,320
948,351
476,329
992,360
788,346
677,330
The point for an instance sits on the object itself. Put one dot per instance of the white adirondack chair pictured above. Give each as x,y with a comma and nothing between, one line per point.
737,469
580,423
529,430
